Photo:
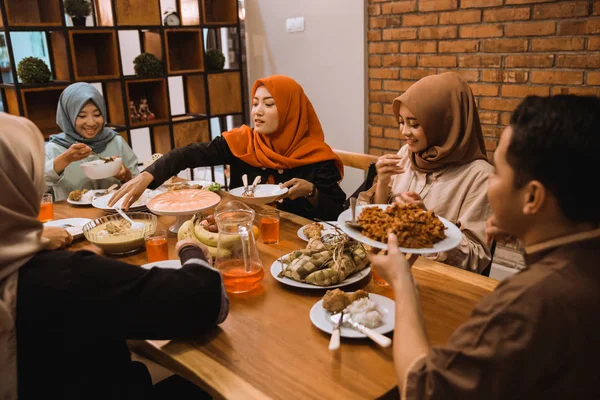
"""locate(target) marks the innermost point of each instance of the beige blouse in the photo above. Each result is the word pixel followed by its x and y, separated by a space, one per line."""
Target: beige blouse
pixel 457 193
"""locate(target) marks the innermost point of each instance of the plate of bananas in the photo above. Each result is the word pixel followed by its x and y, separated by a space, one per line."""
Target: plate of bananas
pixel 203 229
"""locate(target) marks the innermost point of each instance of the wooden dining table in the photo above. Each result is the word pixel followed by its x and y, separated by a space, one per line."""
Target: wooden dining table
pixel 268 347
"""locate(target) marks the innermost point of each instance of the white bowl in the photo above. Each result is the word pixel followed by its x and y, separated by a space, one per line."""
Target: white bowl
pixel 263 194
pixel 98 169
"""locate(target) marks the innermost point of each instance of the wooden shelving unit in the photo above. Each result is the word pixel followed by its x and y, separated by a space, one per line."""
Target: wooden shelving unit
pixel 94 54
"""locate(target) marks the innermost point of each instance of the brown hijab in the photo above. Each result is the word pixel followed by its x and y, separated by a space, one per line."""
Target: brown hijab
pixel 445 108
pixel 22 184
pixel 299 139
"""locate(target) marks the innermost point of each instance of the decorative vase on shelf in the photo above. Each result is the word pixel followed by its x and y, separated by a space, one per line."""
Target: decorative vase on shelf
pixel 78 21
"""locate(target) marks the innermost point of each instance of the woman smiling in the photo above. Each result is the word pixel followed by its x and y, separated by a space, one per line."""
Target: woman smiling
pixel 286 147
pixel 81 115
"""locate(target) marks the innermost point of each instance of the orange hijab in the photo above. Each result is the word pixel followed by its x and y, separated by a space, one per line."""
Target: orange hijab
pixel 299 139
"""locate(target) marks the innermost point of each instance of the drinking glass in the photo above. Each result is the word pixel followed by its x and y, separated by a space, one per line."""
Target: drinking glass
pixel 46 208
pixel 269 226
pixel 157 245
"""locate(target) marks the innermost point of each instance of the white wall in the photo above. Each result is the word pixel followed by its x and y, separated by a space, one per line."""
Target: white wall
pixel 327 59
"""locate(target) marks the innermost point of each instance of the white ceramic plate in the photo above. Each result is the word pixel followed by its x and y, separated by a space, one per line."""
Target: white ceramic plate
pixel 276 269
pixel 263 194
pixel 85 203
pixel 168 264
pixel 76 230
pixel 320 317
pixel 328 230
pixel 102 202
pixel 453 234
pixel 164 188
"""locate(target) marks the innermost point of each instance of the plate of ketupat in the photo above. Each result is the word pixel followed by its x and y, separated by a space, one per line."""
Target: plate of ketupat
pixel 338 262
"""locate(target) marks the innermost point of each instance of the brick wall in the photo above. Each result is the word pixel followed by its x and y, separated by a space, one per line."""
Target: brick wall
pixel 505 49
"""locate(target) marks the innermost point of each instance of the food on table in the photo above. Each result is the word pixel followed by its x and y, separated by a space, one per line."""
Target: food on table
pixel 114 235
pixel 214 187
pixel 336 300
pixel 325 264
pixel 364 311
pixel 414 227
pixel 313 231
pixel 204 230
pixel 183 200
pixel 76 195
pixel 117 231
pixel 180 186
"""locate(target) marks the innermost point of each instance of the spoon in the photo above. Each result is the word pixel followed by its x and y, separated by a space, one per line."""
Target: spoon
pixel 107 191
pixel 353 224
pixel 347 320
pixel 134 225
pixel 256 182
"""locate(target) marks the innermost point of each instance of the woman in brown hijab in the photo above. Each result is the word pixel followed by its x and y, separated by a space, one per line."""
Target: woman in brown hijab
pixel 443 165
pixel 65 316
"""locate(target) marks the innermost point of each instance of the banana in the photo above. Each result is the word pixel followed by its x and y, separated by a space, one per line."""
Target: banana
pixel 186 231
pixel 225 253
pixel 204 236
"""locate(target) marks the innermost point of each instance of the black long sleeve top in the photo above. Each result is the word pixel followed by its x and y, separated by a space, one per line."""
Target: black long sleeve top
pixel 325 175
pixel 75 312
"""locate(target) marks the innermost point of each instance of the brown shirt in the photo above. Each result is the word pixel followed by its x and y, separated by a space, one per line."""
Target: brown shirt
pixel 535 337
pixel 457 193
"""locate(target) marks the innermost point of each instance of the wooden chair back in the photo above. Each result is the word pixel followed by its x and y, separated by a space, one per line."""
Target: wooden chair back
pixel 355 160
pixel 365 162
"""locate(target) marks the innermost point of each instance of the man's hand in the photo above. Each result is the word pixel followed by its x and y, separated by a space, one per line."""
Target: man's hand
pixel 394 266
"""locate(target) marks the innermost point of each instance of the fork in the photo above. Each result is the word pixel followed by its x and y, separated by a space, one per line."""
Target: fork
pixel 245 182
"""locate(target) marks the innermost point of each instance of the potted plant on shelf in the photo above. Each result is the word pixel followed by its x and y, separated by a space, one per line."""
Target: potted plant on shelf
pixel 78 10
pixel 33 70
pixel 146 65
pixel 215 60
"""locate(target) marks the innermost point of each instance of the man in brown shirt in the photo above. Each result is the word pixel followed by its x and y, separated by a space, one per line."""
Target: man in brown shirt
pixel 536 336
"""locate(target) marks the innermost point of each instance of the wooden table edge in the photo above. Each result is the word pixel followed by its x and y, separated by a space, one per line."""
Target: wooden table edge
pixel 228 384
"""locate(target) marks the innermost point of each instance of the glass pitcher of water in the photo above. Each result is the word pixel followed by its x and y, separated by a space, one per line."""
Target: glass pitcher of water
pixel 237 255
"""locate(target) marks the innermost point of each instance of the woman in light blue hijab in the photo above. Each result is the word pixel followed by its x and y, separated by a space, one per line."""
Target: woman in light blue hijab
pixel 81 114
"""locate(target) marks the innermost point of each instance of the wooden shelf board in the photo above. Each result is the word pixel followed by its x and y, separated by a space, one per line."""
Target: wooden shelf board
pixel 96 78
pixel 136 125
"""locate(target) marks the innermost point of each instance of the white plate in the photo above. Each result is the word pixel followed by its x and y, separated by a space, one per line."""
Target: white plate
pixel 77 223
pixel 164 188
pixel 453 234
pixel 320 317
pixel 328 230
pixel 85 203
pixel 263 194
pixel 102 202
pixel 168 264
pixel 276 269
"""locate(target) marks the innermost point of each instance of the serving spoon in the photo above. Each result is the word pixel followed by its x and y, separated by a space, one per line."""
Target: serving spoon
pixel 353 224
pixel 134 225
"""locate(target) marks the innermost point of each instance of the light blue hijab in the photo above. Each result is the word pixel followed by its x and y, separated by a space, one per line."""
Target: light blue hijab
pixel 70 103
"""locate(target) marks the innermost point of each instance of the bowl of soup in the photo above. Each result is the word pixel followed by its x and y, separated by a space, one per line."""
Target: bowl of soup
pixel 113 234
pixel 102 169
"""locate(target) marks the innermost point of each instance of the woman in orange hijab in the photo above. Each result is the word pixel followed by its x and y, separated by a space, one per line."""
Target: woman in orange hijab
pixel 286 146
